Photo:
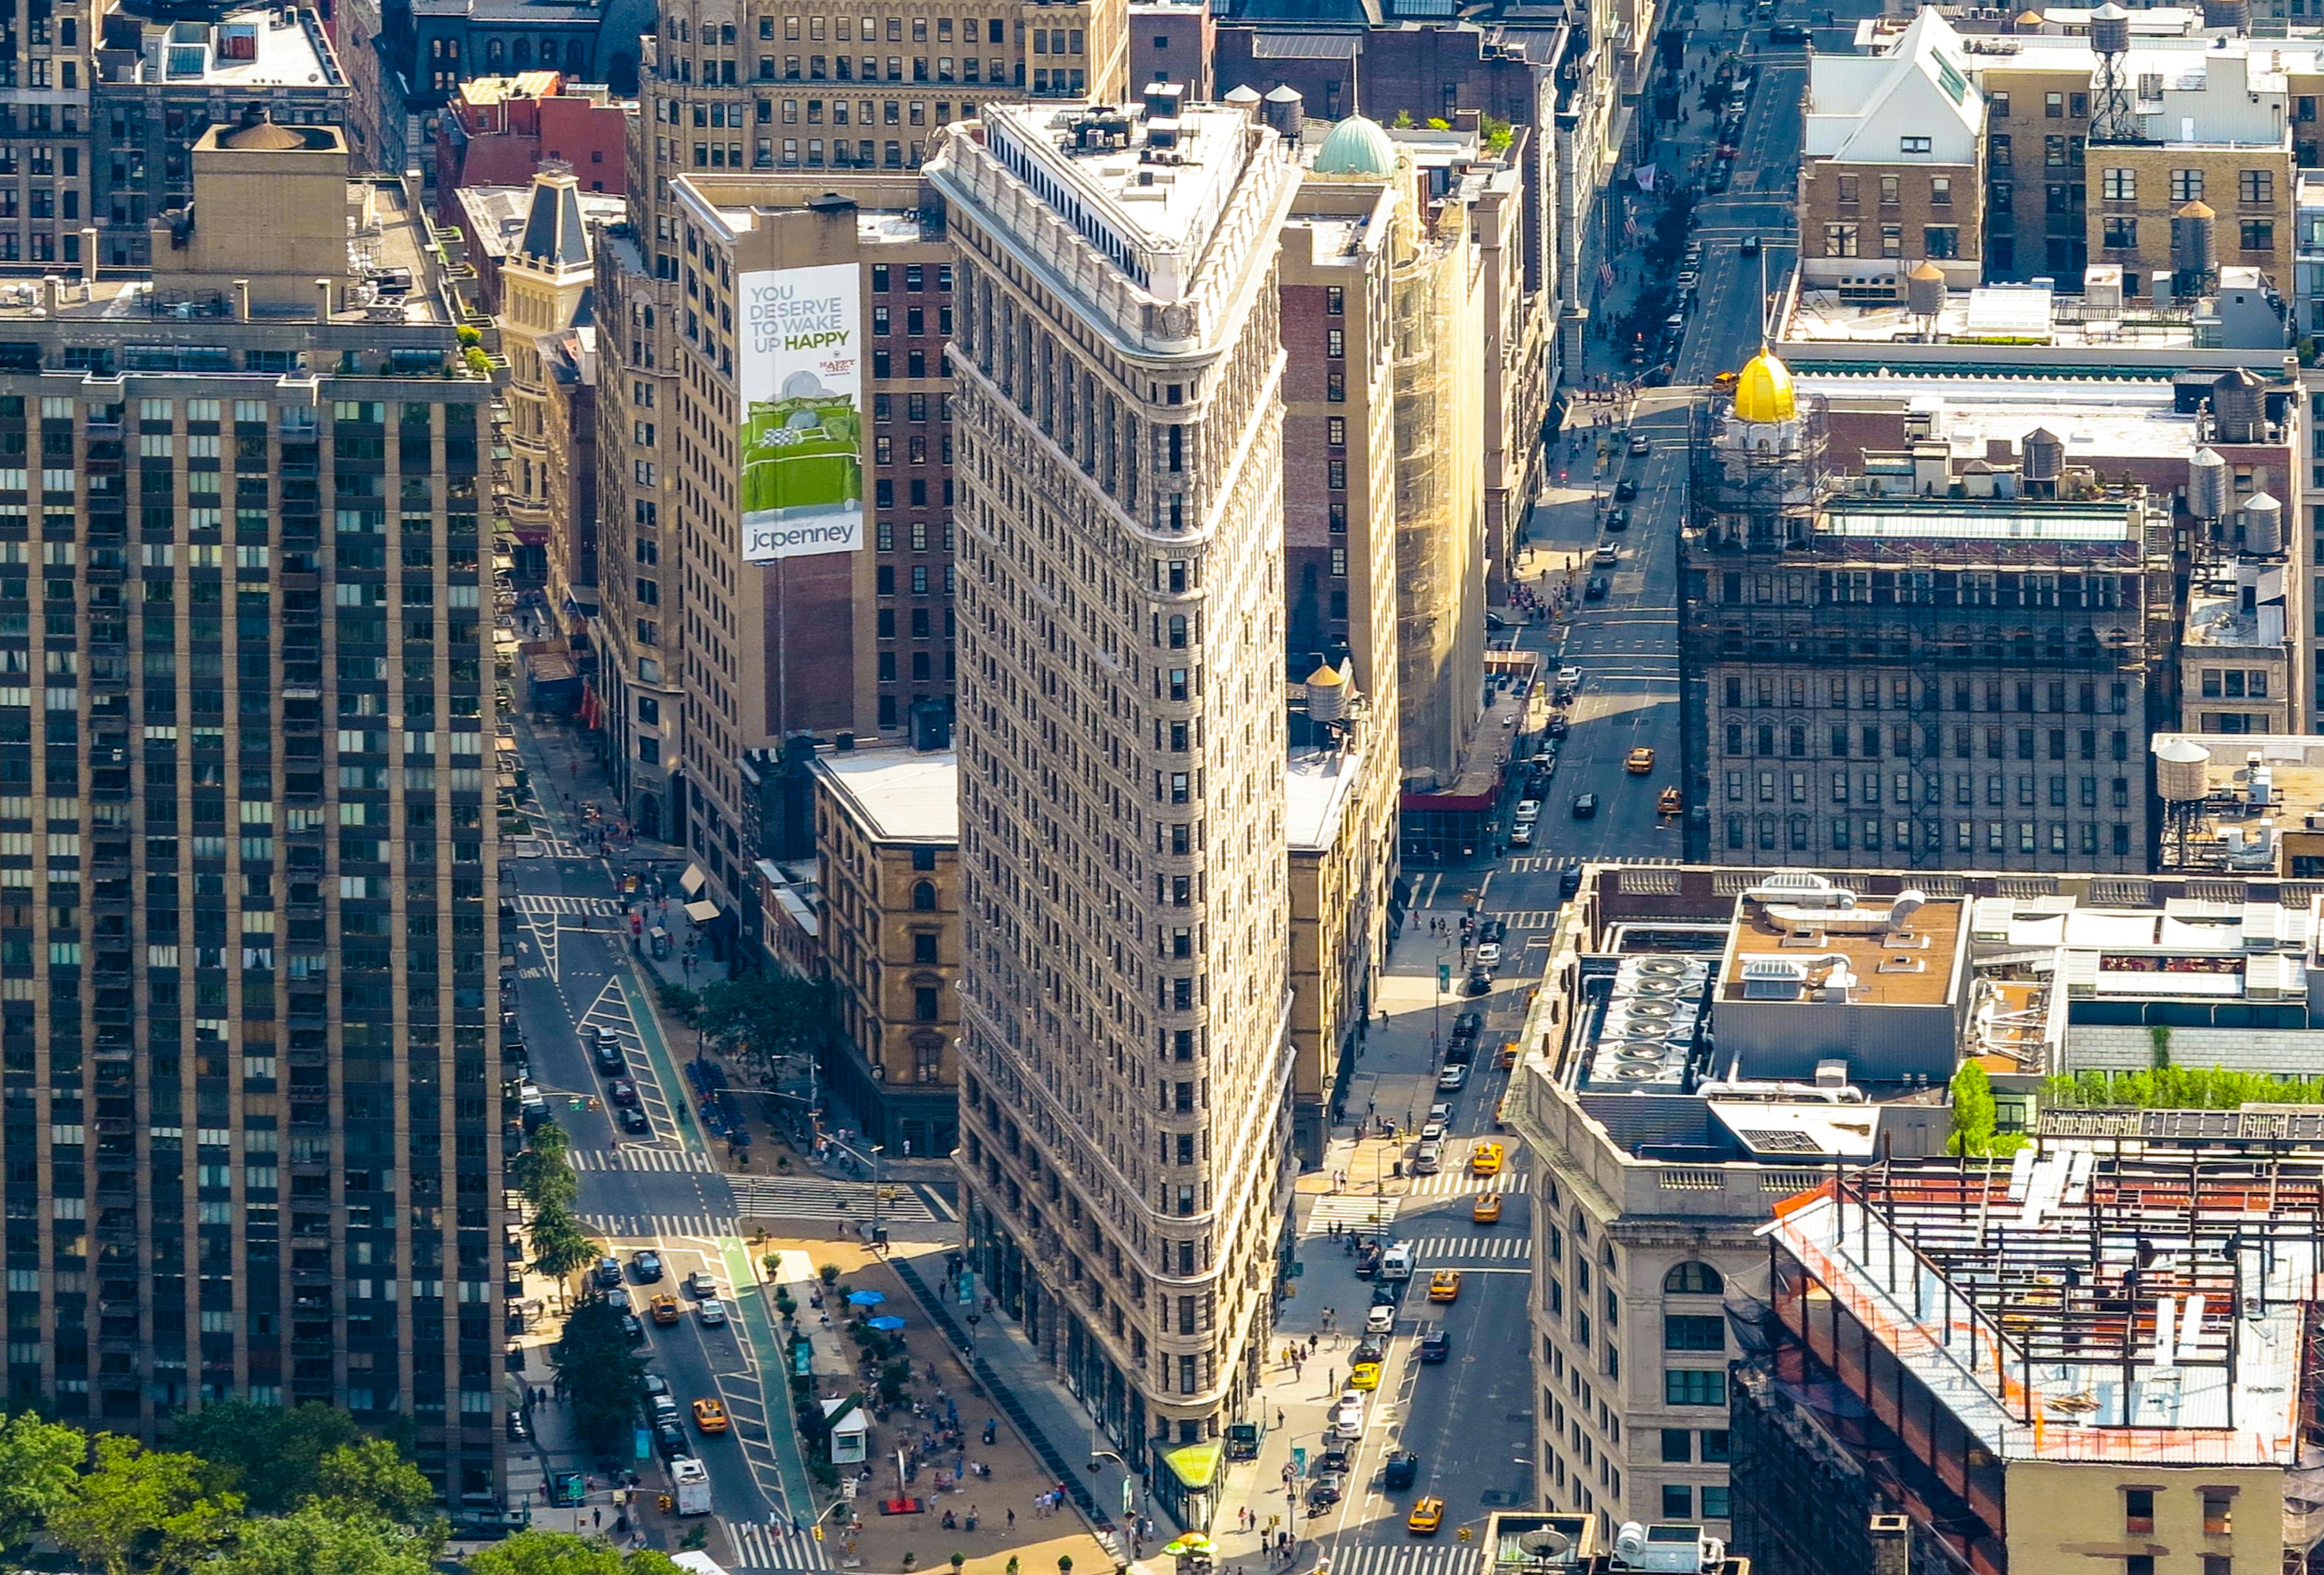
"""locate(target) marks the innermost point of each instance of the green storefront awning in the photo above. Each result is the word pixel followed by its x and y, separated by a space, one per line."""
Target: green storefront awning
pixel 1195 1465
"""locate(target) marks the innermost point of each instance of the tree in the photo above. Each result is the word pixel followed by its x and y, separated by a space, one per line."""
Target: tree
pixel 543 1172
pixel 767 1016
pixel 373 1477
pixel 560 1245
pixel 143 1509
pixel 598 1370
pixel 273 1456
pixel 1973 1110
pixel 39 1466
pixel 548 1553
pixel 321 1538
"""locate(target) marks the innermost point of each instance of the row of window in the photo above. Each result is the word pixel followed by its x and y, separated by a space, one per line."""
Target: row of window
pixel 1872 834
pixel 2118 234
pixel 1868 788
pixel 1761 742
pixel 1940 241
pixel 1891 190
pixel 1964 694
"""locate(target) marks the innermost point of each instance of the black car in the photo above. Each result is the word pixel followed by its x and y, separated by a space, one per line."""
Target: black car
pixel 1388 1293
pixel 1492 932
pixel 1333 1459
pixel 1568 881
pixel 1585 805
pixel 652 1383
pixel 607 1052
pixel 1401 1470
pixel 1721 176
pixel 1595 591
pixel 518 1430
pixel 1749 246
pixel 634 1120
pixel 1370 1351
pixel 1625 490
pixel 1787 32
pixel 670 1440
pixel 1496 622
pixel 1469 1025
pixel 1435 1346
pixel 1558 727
pixel 634 1331
pixel 609 1272
pixel 1481 983
pixel 1324 1492
pixel 646 1264
pixel 1617 519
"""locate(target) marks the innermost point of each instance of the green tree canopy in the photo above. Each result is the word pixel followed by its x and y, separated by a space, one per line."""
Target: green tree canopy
pixel 143 1509
pixel 321 1538
pixel 40 1468
pixel 372 1477
pixel 1973 1110
pixel 273 1456
pixel 598 1370
pixel 543 1172
pixel 768 1016
pixel 2185 1088
pixel 548 1553
pixel 561 1247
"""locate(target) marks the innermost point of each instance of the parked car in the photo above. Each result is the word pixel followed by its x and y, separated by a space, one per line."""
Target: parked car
pixel 1617 519
pixel 1640 444
pixel 1489 954
pixel 608 1273
pixel 1435 1346
pixel 607 1053
pixel 1625 490
pixel 1568 881
pixel 653 1385
pixel 670 1440
pixel 1469 1025
pixel 1595 591
pixel 701 1283
pixel 631 1329
pixel 622 1091
pixel 1481 980
pixel 1749 245
pixel 632 1121
pixel 1381 1319
pixel 1452 1078
pixel 1324 1491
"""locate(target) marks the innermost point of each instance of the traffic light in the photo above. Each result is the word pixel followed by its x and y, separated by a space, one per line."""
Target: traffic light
pixel 1443 977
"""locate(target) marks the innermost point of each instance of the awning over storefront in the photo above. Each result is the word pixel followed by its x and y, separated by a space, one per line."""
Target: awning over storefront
pixel 702 913
pixel 693 880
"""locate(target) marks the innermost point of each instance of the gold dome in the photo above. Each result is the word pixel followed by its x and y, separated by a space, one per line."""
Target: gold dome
pixel 1763 393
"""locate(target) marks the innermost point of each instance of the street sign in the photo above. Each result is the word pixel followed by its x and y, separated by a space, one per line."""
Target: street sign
pixel 1299 1459
pixel 968 1288
pixel 1128 1487
pixel 1443 977
pixel 641 1442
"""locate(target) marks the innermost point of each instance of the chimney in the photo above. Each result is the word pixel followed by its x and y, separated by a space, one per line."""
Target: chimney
pixel 242 300
pixel 322 301
pixel 52 293
pixel 1892 1545
pixel 88 255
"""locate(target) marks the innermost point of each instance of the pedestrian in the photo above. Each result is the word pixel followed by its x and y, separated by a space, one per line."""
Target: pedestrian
pixel 1012 1520
pixel 1279 1416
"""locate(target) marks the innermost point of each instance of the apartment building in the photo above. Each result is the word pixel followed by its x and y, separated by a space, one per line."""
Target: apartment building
pixel 887 849
pixel 544 281
pixel 1173 41
pixel 251 1127
pixel 500 131
pixel 753 99
pixel 1340 821
pixel 1125 1108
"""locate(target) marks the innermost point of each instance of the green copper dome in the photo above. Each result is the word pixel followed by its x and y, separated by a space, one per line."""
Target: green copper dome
pixel 1357 146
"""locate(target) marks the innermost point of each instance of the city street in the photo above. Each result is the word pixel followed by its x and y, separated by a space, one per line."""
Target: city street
pixel 663 1190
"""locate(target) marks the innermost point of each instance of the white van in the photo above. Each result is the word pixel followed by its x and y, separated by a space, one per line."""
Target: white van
pixel 1396 1263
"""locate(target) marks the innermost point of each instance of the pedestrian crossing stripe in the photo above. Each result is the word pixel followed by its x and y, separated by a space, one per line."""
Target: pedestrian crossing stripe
pixel 1401 1558
pixel 1434 1249
pixel 760 1549
pixel 1543 863
pixel 639 1158
pixel 1350 1212
pixel 531 903
pixel 818 1198
pixel 1524 918
pixel 627 1227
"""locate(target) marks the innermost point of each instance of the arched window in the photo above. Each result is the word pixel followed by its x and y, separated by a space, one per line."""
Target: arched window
pixel 1692 1279
pixel 924 895
pixel 1580 1228
pixel 521 53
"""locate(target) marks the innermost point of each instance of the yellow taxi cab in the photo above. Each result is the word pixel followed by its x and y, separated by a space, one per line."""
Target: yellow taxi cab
pixel 1509 1055
pixel 1364 1376
pixel 1640 762
pixel 1670 801
pixel 1426 1515
pixel 1485 1208
pixel 665 1309
pixel 710 1416
pixel 1444 1285
pixel 1485 1159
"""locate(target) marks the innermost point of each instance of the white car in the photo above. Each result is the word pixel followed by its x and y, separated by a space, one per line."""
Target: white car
pixel 1380 1319
pixel 1433 1132
pixel 714 1312
pixel 1569 676
pixel 1452 1078
pixel 1528 809
pixel 1489 954
pixel 1521 834
pixel 1440 1114
pixel 1347 1421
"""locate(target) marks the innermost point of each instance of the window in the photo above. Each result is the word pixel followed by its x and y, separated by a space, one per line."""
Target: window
pixel 2218 1511
pixel 1941 190
pixel 1694 1280
pixel 1692 1331
pixel 1941 240
pixel 2053 106
pixel 2119 233
pixel 1678 1447
pixel 1678 1501
pixel 1694 1387
pixel 2255 188
pixel 1847 185
pixel 1715 1501
pixel 2259 235
pixel 923 896
pixel 2119 185
pixel 1840 240
pixel 1913 144
pixel 2186 186
pixel 1891 190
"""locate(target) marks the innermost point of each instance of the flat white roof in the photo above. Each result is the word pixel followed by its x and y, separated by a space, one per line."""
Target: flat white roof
pixel 2098 420
pixel 1315 794
pixel 903 794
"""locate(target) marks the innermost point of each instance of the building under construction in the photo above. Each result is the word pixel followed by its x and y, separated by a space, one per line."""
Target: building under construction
pixel 2101 1353
pixel 1925 670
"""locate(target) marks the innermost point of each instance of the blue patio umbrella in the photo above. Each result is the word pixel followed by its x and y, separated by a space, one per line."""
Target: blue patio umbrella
pixel 888 1323
pixel 865 1298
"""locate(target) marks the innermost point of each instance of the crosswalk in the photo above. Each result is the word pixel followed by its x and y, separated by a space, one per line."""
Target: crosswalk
pixel 1481 1248
pixel 639 1158
pixel 1524 918
pixel 758 1548
pixel 774 1197
pixel 1348 1211
pixel 1460 1184
pixel 534 903
pixel 1402 1558
pixel 1542 864
pixel 643 1227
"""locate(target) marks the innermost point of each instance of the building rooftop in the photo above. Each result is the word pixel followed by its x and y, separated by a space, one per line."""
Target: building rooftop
pixel 496 215
pixel 901 795
pixel 2006 314
pixel 1315 796
pixel 2098 420
pixel 252 47
pixel 731 206
pixel 2089 1302
pixel 1987 520
pixel 2221 621
pixel 1806 940
pixel 1146 189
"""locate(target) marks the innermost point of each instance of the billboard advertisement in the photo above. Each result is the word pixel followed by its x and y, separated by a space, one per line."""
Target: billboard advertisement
pixel 802 400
